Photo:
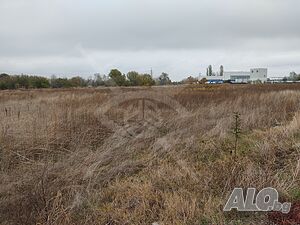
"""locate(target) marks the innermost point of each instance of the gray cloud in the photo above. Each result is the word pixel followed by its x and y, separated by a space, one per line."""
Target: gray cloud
pixel 177 36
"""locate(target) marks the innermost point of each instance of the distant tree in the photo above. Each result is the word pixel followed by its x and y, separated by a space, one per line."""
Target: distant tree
pixel 294 76
pixel 39 82
pixel 109 83
pixel 118 77
pixel 60 83
pixel 134 78
pixel 210 72
pixel 89 81
pixel 5 81
pixel 23 81
pixel 3 75
pixel 164 79
pixel 53 81
pixel 146 80
pixel 77 82
pixel 99 80
pixel 221 70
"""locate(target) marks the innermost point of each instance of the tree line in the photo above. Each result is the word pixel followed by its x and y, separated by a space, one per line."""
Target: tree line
pixel 22 81
pixel 114 78
pixel 292 77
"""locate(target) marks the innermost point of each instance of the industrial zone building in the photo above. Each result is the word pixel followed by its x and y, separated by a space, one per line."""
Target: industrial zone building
pixel 253 76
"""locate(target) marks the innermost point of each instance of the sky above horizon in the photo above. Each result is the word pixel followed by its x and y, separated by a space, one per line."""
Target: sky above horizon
pixel 179 37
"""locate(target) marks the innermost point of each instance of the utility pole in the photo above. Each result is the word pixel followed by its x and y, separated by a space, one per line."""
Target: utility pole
pixel 151 72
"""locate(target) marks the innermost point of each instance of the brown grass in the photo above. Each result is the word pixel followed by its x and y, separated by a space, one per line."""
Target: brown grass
pixel 64 161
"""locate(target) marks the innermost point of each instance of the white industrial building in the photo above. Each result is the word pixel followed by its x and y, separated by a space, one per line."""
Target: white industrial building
pixel 254 75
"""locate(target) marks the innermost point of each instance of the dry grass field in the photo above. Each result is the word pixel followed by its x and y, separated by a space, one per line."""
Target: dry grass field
pixel 145 155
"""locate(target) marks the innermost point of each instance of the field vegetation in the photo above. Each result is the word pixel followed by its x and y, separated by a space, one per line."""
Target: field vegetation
pixel 85 156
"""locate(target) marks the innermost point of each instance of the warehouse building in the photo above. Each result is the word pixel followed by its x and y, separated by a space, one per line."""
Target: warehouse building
pixel 254 75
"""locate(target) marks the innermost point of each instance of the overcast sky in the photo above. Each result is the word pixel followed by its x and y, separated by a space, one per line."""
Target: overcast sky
pixel 180 37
